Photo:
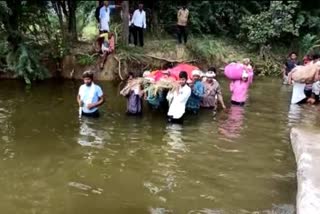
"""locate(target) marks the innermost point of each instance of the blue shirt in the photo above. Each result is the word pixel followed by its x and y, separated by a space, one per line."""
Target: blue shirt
pixel 104 16
pixel 105 12
pixel 197 94
pixel 84 93
pixel 290 64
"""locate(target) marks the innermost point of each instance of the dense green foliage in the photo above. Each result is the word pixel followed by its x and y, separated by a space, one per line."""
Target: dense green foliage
pixel 52 28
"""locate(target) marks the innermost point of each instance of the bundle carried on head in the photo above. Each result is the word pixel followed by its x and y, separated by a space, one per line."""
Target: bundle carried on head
pixel 138 82
pixel 306 73
pixel 234 71
pixel 162 85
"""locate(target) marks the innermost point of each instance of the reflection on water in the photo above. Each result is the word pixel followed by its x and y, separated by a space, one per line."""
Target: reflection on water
pixel 90 136
pixel 6 132
pixel 168 170
pixel 52 162
pixel 303 115
pixel 174 138
pixel 231 127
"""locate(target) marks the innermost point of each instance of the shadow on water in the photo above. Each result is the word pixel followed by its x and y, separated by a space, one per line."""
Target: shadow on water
pixel 238 162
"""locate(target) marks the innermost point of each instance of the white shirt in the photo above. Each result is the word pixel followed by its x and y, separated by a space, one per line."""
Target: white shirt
pixel 298 92
pixel 89 94
pixel 179 101
pixel 316 88
pixel 104 16
pixel 139 19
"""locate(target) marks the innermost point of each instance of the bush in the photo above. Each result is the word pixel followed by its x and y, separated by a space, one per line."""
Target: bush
pixel 276 22
pixel 86 59
pixel 24 63
pixel 207 50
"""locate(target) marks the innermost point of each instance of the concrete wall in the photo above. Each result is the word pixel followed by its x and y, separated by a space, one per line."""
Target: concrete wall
pixel 306 147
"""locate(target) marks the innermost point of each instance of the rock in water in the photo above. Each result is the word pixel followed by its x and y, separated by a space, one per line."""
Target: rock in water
pixel 306 147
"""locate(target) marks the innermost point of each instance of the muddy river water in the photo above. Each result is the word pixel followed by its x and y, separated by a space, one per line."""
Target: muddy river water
pixel 52 162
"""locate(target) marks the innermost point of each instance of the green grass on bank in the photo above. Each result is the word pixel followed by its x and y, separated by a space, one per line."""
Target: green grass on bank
pixel 204 50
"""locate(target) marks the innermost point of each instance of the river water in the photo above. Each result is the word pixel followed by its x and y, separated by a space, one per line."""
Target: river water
pixel 52 162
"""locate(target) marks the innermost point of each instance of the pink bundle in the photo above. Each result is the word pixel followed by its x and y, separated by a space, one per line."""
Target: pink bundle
pixel 234 71
pixel 174 72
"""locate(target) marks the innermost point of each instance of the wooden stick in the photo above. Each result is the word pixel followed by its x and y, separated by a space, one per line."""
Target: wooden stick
pixel 119 71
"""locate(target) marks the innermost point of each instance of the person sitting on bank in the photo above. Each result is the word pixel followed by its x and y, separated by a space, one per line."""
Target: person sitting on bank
pixel 212 91
pixel 107 47
pixel 90 96
pixel 197 87
pixel 177 99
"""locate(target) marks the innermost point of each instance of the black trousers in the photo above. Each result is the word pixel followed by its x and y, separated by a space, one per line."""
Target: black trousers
pixel 182 32
pixel 95 114
pixel 237 103
pixel 308 93
pixel 138 33
pixel 175 121
pixel 131 34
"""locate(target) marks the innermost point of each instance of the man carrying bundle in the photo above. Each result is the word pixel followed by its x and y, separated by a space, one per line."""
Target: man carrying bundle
pixel 90 97
pixel 197 94
pixel 212 92
pixel 134 93
pixel 177 99
pixel 302 75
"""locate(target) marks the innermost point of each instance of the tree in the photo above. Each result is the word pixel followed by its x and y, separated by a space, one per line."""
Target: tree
pixel 125 22
pixel 67 9
pixel 72 25
pixel 279 20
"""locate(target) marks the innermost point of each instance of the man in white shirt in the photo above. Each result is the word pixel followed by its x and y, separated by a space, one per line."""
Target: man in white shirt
pixel 178 100
pixel 139 23
pixel 90 96
pixel 104 16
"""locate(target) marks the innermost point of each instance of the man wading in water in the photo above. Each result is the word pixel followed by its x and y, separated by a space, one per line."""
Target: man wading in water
pixel 177 100
pixel 90 97
pixel 212 92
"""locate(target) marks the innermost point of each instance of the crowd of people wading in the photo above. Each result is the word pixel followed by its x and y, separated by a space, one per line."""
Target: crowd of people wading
pixel 184 88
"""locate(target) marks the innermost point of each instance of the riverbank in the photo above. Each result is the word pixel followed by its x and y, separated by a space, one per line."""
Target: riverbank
pixel 203 52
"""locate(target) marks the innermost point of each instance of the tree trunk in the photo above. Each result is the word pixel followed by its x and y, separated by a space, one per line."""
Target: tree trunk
pixel 58 11
pixel 11 23
pixel 125 22
pixel 154 15
pixel 72 25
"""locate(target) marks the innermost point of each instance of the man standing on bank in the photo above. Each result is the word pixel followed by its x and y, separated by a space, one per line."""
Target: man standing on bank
pixel 183 15
pixel 90 97
pixel 139 24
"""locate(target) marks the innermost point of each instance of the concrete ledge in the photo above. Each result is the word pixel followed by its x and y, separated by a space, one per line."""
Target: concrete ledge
pixel 306 147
